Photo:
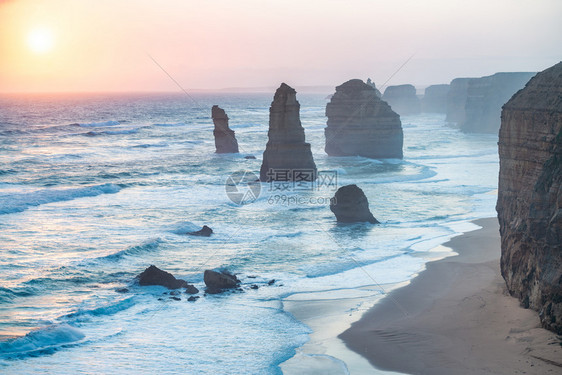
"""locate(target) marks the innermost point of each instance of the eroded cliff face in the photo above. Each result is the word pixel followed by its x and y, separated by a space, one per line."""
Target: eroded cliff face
pixel 456 99
pixel 530 195
pixel 435 99
pixel 485 98
pixel 287 157
pixel 360 123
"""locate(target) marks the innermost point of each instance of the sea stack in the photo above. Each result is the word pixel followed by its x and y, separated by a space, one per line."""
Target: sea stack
pixel 350 205
pixel 530 196
pixel 435 99
pixel 402 99
pixel 484 100
pixel 287 157
pixel 225 141
pixel 360 123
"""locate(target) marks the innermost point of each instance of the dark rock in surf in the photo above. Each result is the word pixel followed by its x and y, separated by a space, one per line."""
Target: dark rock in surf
pixel 225 140
pixel 216 282
pixel 350 205
pixel 203 232
pixel 190 289
pixel 155 276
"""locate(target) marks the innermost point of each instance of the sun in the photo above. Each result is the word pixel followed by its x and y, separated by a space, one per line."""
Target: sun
pixel 40 40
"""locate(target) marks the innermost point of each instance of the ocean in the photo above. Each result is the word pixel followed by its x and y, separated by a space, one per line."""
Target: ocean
pixel 94 188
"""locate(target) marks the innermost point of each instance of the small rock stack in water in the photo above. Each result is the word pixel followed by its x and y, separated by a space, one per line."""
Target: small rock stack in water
pixel 225 140
pixel 350 205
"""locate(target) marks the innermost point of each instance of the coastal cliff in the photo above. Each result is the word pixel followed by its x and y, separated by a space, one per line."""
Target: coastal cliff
pixel 287 157
pixel 485 97
pixel 530 196
pixel 402 99
pixel 456 99
pixel 435 99
pixel 360 123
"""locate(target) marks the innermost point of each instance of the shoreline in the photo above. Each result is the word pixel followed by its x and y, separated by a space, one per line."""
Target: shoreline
pixel 458 319
pixel 328 313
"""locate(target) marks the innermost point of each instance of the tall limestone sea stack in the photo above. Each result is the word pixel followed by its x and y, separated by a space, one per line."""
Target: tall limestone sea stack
pixel 360 123
pixel 225 141
pixel 530 195
pixel 287 157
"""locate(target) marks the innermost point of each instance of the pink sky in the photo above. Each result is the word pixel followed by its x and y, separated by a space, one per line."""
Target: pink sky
pixel 103 45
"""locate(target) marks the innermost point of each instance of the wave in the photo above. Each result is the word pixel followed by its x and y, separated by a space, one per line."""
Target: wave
pixel 490 152
pixel 146 246
pixel 99 124
pixel 81 315
pixel 283 235
pixel 111 132
pixel 41 282
pixel 337 267
pixel 424 173
pixel 7 171
pixel 18 202
pixel 184 227
pixel 42 341
pixel 7 294
pixel 148 145
pixel 167 125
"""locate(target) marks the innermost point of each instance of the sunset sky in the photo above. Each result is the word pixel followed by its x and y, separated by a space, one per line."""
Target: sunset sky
pixel 102 45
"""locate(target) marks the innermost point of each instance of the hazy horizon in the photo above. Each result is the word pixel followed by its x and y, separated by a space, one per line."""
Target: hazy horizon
pixel 104 46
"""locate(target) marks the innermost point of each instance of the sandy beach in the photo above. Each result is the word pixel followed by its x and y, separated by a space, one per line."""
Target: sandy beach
pixel 457 318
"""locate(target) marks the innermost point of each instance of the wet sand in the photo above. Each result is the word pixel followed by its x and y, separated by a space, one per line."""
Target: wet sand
pixel 457 318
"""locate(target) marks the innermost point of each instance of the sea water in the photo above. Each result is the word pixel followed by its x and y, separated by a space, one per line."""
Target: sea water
pixel 95 188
